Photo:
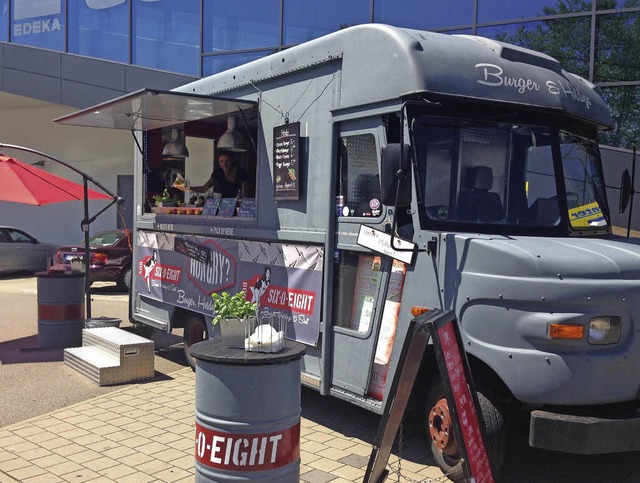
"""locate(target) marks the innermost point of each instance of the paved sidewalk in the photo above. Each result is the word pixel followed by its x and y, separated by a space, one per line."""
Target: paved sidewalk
pixel 145 433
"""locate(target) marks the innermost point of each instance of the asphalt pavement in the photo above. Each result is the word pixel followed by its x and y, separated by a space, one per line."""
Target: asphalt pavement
pixel 34 380
pixel 55 425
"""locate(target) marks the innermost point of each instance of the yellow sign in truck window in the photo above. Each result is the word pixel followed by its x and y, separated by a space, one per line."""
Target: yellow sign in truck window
pixel 587 215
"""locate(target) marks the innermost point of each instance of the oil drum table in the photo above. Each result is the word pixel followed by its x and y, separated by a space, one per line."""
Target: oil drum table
pixel 247 413
pixel 61 309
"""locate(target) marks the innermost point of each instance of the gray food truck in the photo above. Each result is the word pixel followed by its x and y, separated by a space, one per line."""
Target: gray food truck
pixel 388 171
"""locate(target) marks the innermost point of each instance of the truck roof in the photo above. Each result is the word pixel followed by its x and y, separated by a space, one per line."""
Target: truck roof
pixel 381 63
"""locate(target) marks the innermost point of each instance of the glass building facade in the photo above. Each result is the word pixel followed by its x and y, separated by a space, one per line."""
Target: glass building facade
pixel 597 39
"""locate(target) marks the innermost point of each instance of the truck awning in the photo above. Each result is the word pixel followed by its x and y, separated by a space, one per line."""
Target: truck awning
pixel 152 109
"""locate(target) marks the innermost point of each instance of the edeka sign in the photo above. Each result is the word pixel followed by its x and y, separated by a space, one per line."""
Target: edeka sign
pixel 28 17
pixel 283 279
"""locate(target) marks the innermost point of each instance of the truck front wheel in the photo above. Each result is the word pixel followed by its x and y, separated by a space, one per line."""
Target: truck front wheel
pixel 443 443
pixel 195 330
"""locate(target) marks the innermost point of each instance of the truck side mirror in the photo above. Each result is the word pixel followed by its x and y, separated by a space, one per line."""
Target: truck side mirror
pixel 625 191
pixel 396 174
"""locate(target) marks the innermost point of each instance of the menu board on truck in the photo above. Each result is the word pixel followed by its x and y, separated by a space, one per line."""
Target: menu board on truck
pixel 286 162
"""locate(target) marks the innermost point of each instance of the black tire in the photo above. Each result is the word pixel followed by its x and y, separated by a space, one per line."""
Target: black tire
pixel 448 460
pixel 124 282
pixel 195 330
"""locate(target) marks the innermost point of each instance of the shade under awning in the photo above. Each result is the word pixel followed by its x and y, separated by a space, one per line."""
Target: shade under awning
pixel 148 109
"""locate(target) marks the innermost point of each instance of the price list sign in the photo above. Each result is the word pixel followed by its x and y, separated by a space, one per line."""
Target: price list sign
pixel 455 372
pixel 286 162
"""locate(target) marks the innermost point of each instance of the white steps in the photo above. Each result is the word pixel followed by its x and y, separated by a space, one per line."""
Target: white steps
pixel 112 356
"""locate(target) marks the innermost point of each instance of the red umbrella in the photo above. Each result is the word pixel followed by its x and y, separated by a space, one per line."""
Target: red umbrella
pixel 24 183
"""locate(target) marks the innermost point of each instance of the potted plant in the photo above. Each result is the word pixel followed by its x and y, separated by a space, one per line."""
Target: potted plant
pixel 233 313
pixel 165 199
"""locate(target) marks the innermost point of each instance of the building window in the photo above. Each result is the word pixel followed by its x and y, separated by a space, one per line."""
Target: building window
pixel 614 4
pixel 38 23
pixel 213 64
pixel 99 31
pixel 243 25
pixel 497 10
pixel 4 23
pixel 166 35
pixel 565 39
pixel 617 47
pixel 624 102
pixel 308 20
pixel 421 14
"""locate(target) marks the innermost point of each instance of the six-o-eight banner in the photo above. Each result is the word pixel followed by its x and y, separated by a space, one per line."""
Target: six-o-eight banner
pixel 184 270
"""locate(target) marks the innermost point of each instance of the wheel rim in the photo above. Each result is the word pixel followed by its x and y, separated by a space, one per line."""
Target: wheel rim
pixel 441 428
pixel 127 278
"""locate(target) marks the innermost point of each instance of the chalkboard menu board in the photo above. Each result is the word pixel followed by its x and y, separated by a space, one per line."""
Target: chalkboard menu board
pixel 211 206
pixel 247 207
pixel 286 162
pixel 227 207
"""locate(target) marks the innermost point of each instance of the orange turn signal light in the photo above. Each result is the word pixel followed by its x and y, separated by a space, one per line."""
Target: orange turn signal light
pixel 565 331
pixel 417 310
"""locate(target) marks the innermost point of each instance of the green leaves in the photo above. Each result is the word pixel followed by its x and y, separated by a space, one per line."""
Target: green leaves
pixel 164 197
pixel 236 306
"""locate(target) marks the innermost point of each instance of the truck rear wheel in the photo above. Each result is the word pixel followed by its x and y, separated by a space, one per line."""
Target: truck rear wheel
pixel 195 330
pixel 443 443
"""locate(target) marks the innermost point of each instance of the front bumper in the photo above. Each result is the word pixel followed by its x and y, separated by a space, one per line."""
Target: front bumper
pixel 579 434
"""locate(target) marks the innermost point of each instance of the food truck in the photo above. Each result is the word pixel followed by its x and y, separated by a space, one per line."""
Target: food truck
pixel 392 171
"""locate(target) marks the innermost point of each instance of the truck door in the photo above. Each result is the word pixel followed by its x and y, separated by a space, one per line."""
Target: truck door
pixel 360 275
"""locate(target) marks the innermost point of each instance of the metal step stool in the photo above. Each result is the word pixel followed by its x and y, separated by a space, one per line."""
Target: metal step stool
pixel 112 356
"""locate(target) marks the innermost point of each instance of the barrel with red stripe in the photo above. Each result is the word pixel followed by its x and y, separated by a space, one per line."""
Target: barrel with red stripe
pixel 61 310
pixel 247 413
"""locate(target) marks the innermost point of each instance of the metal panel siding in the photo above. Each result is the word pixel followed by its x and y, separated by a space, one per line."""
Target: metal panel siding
pixel 32 60
pixel 83 95
pixel 136 78
pixel 29 84
pixel 304 96
pixel 109 75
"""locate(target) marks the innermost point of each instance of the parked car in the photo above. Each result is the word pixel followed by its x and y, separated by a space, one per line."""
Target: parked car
pixel 110 257
pixel 20 252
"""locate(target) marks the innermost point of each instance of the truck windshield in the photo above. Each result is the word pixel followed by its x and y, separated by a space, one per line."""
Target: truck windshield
pixel 473 173
pixel 584 183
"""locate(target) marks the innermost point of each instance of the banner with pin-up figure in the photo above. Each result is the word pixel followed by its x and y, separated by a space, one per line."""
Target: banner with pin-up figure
pixel 185 270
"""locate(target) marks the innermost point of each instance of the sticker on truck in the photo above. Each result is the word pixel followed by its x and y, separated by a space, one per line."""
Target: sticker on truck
pixel 587 215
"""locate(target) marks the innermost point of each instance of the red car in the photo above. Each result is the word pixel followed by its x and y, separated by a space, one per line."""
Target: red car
pixel 111 257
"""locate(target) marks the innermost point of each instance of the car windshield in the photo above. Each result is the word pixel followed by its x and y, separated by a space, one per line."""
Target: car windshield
pixel 480 173
pixel 106 238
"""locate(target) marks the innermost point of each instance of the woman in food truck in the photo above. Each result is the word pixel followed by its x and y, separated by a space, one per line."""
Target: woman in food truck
pixel 226 179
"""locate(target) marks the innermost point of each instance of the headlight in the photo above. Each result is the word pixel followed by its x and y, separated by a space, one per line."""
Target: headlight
pixel 604 330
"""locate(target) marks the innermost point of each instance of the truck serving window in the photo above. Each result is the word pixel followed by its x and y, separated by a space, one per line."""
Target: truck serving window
pixel 206 178
pixel 482 173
